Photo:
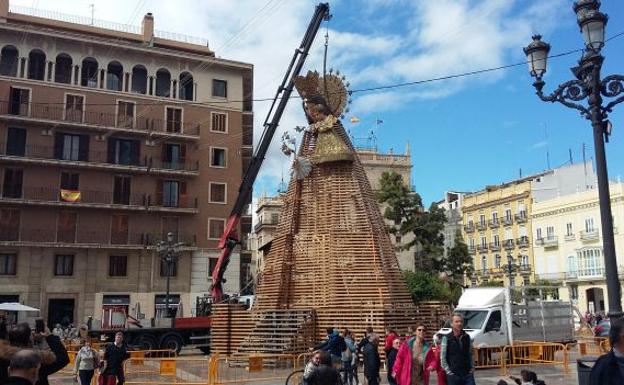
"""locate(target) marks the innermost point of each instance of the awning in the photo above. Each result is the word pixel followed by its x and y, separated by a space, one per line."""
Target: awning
pixel 15 306
pixel 116 300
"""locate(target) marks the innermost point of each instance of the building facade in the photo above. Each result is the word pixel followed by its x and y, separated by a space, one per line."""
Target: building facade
pixel 568 245
pixel 267 213
pixel 110 140
pixel 451 204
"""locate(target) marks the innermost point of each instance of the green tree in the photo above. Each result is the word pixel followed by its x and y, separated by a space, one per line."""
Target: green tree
pixel 489 283
pixel 405 208
pixel 424 286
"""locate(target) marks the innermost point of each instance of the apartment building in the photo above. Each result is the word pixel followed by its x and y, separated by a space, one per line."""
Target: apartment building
pixel 451 204
pixel 111 138
pixel 497 220
pixel 267 213
pixel 568 245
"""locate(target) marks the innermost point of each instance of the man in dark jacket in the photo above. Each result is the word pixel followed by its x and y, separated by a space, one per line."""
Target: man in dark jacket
pixel 456 354
pixel 54 357
pixel 325 373
pixel 114 356
pixel 24 368
pixel 372 363
pixel 609 369
pixel 332 345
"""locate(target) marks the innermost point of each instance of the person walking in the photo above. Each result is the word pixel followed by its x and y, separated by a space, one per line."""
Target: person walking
pixel 114 357
pixel 24 368
pixel 54 356
pixel 392 355
pixel 86 361
pixel 609 368
pixel 372 362
pixel 333 345
pixel 408 367
pixel 347 358
pixel 456 354
pixel 311 366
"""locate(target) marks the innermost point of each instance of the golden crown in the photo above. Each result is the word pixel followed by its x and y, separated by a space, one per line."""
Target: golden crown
pixel 330 87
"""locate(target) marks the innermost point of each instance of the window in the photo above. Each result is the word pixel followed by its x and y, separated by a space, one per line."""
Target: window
pixel 170 193
pixel 12 184
pixel 139 79
pixel 70 181
pixel 494 322
pixel 494 217
pixel 483 242
pixel 74 108
pixel 66 227
pixel 63 69
pixel 121 190
pixel 219 88
pixel 470 222
pixel 212 263
pixel 484 264
pixel 71 147
pixel 89 72
pixel 573 292
pixel 174 156
pixel 119 229
pixel 117 265
pixel 482 219
pixel 168 269
pixel 114 76
pixel 36 65
pixel 589 225
pixel 496 240
pixel 550 232
pixel 217 192
pixel 508 234
pixel 163 82
pixel 497 261
pixel 8 264
pixel 9 224
pixel 538 233
pixel 218 122
pixel 215 228
pixel 274 218
pixel 569 230
pixel 572 267
pixel 218 157
pixel 187 88
pixel 397 239
pixel 524 260
pixel 16 141
pixel 124 151
pixel 590 262
pixel 508 214
pixel 8 61
pixel 174 119
pixel 125 114
pixel 64 265
pixel 471 243
pixel 20 101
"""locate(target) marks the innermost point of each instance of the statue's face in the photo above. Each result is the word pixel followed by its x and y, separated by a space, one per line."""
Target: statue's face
pixel 315 112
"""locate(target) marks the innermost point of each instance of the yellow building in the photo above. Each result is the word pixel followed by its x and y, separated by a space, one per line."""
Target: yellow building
pixel 497 230
pixel 568 245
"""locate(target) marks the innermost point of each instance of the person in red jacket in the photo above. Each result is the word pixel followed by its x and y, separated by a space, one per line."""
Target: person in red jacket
pixel 391 335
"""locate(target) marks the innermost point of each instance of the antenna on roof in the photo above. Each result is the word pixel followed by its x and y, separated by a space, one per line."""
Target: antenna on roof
pixel 570 153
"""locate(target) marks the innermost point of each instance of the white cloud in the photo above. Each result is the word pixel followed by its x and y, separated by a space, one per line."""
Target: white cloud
pixel 538 145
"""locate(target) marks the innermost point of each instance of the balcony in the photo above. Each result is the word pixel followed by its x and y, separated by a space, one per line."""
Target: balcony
pixel 95 160
pixel 551 241
pixel 258 226
pixel 46 196
pixel 469 228
pixel 472 249
pixel 484 273
pixel 589 236
pixel 550 276
pixel 482 248
pixel 522 241
pixel 495 246
pixel 586 274
pixel 508 244
pixel 497 272
pixel 521 217
pixel 493 223
pixel 507 221
pixel 85 239
pixel 481 226
pixel 525 269
pixel 569 237
pixel 98 121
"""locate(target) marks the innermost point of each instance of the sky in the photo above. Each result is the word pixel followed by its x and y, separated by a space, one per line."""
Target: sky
pixel 464 133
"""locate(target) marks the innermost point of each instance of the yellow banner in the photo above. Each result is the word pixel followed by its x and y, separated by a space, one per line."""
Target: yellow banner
pixel 70 195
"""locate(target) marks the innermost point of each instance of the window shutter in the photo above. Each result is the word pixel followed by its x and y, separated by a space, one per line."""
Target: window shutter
pixel 164 155
pixel 183 196
pixel 83 151
pixel 159 192
pixel 136 152
pixel 183 153
pixel 111 150
pixel 58 145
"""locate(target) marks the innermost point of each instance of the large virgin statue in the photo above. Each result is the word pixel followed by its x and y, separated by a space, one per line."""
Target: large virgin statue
pixel 331 251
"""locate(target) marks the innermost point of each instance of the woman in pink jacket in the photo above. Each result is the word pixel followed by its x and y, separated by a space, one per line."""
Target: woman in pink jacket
pixel 408 367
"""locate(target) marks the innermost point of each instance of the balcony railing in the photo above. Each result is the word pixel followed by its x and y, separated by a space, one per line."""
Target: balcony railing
pixel 508 244
pixel 472 249
pixel 259 225
pixel 47 194
pixel 570 237
pixel 481 226
pixel 57 115
pixel 521 217
pixel 493 223
pixel 551 241
pixel 524 268
pixel 589 235
pixel 482 248
pixel 522 241
pixel 469 228
pixel 495 246
pixel 182 201
pixel 100 157
pixel 598 272
pixel 507 221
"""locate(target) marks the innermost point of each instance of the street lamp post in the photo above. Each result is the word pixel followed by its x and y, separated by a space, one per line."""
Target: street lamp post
pixel 168 253
pixel 589 85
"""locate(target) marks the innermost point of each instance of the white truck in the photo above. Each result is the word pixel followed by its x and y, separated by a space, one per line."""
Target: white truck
pixel 492 319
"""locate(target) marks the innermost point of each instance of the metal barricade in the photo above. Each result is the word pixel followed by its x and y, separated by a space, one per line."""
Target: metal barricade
pixel 591 346
pixel 535 353
pixel 255 367
pixel 488 357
